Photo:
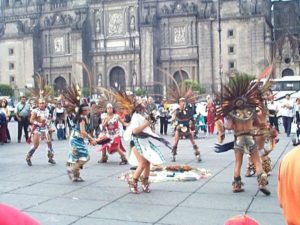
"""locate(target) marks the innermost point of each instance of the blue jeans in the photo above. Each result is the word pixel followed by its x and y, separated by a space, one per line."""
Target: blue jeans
pixel 287 124
pixel 60 134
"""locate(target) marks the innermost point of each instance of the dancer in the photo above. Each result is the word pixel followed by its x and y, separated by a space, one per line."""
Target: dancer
pixel 238 103
pixel 112 131
pixel 78 154
pixel 142 152
pixel 40 130
pixel 184 127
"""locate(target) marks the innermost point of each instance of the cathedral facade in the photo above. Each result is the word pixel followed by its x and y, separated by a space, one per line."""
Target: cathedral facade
pixel 129 44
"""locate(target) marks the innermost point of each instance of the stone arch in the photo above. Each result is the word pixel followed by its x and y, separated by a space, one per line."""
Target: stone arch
pixel 287 72
pixel 180 76
pixel 117 78
pixel 60 83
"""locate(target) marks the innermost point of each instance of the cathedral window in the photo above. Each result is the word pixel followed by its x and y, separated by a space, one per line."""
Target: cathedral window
pixel 231 50
pixel 287 60
pixel 10 51
pixel 11 66
pixel 230 33
pixel 232 65
pixel 11 79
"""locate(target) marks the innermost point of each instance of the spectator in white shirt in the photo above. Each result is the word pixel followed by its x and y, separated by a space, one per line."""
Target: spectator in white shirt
pixel 287 114
pixel 273 110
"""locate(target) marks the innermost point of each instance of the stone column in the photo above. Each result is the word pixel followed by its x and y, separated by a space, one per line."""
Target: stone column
pixel 147 56
pixel 76 45
pixel 206 56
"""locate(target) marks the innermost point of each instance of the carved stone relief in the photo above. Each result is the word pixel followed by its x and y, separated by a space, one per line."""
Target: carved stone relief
pixel 57 20
pixel 58 45
pixel 179 35
pixel 181 8
pixel 115 25
pixel 132 23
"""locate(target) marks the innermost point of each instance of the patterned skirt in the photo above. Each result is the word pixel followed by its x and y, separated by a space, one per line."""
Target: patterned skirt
pixel 78 150
pixel 148 150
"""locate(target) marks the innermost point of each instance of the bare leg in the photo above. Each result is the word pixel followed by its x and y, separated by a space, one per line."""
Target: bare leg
pixel 123 157
pixel 195 147
pixel 36 142
pixel 262 177
pixel 174 150
pixel 145 180
pixel 50 151
pixel 104 157
pixel 133 184
pixel 250 168
pixel 237 183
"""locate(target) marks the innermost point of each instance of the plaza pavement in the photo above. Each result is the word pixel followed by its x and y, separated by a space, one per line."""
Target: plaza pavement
pixel 45 192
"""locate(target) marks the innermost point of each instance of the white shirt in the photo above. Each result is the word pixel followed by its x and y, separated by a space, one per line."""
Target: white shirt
pixel 273 106
pixel 297 107
pixel 60 126
pixel 286 110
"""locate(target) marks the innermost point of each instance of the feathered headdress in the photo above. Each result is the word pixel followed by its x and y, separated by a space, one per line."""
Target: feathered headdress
pixel 120 101
pixel 240 93
pixel 40 92
pixel 180 90
pixel 107 97
pixel 72 98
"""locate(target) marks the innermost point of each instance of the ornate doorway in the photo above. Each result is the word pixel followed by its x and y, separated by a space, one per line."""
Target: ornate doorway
pixel 117 78
pixel 180 76
pixel 287 72
pixel 60 84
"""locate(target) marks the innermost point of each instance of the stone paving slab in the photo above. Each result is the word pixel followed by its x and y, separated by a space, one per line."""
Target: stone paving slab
pixel 197 216
pixel 22 201
pixel 263 205
pixel 51 219
pixel 68 206
pixel 94 221
pixel 98 193
pixel 211 201
pixel 268 218
pixel 135 212
pixel 51 190
pixel 156 198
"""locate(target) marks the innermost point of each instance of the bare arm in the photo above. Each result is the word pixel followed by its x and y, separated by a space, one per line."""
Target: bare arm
pixel 84 134
pixel 33 119
pixel 140 128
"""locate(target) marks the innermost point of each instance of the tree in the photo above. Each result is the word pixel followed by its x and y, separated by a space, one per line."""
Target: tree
pixel 140 92
pixel 49 89
pixel 195 86
pixel 6 90
pixel 85 92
